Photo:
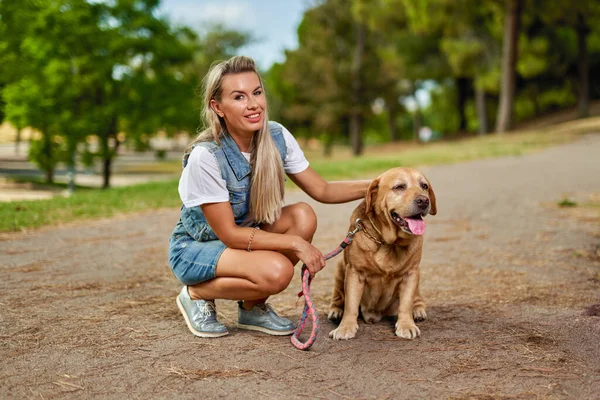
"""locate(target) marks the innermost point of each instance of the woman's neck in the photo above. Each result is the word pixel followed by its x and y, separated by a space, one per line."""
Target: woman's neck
pixel 244 141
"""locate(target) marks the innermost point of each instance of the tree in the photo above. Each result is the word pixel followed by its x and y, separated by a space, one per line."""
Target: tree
pixel 582 17
pixel 509 63
pixel 80 69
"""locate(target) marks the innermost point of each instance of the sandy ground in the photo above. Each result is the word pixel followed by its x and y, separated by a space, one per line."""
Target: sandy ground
pixel 511 279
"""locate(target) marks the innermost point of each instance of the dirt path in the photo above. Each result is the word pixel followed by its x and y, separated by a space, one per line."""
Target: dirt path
pixel 88 310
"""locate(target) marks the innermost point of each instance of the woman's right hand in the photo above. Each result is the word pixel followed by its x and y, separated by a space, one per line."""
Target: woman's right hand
pixel 311 256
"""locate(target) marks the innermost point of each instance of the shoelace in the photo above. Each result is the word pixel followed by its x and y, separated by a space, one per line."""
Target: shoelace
pixel 207 308
pixel 265 307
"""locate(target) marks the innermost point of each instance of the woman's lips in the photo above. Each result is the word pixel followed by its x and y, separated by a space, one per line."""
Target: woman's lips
pixel 253 118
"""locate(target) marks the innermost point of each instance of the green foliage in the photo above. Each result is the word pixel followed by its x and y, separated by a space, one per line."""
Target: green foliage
pixel 119 71
pixel 442 114
pixel 88 158
pixel 46 154
pixel 116 70
pixel 414 41
pixel 567 203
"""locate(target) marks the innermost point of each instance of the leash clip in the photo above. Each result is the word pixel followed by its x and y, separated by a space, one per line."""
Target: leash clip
pixel 357 227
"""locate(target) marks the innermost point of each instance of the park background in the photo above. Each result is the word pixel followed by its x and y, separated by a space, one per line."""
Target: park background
pixel 90 89
pixel 98 100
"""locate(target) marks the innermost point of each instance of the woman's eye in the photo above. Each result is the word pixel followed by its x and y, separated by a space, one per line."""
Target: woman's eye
pixel 401 186
pixel 239 97
pixel 258 93
pixel 425 186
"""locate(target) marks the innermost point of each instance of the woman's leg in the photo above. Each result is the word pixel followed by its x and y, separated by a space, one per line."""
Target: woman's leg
pixel 254 276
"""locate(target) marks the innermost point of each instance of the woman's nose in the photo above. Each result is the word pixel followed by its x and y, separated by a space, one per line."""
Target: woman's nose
pixel 252 103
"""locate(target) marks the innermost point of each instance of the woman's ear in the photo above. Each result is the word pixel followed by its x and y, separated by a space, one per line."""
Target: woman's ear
pixel 371 193
pixel 216 107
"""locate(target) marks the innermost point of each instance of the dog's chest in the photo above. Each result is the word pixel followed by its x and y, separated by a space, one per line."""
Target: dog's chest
pixel 392 261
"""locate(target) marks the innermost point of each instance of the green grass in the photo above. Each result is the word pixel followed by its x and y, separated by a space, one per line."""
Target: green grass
pixel 567 203
pixel 87 204
pixel 380 158
pixel 97 203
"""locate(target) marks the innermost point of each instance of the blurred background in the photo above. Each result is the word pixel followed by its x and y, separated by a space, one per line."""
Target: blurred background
pixel 83 83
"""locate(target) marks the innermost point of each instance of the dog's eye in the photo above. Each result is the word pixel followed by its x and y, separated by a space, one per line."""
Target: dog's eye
pixel 425 186
pixel 401 186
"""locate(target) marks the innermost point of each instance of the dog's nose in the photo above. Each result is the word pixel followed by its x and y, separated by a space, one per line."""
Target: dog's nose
pixel 422 202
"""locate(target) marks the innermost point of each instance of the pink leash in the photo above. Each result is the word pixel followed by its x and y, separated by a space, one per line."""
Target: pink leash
pixel 309 305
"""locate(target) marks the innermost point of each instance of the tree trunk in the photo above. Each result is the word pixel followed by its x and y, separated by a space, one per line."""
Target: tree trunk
pixel 509 64
pixel 462 88
pixel 106 172
pixel 481 110
pixel 71 164
pixel 328 148
pixel 47 157
pixel 109 153
pixel 356 117
pixel 584 66
pixel 18 142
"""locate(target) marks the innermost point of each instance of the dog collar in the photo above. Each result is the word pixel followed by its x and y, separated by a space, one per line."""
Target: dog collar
pixel 362 227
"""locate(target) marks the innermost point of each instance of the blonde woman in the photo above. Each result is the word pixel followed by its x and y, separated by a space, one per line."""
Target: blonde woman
pixel 235 238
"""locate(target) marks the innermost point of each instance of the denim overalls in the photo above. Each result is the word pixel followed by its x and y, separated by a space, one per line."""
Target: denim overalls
pixel 194 249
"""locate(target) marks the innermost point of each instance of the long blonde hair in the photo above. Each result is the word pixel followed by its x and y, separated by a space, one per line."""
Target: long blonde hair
pixel 267 176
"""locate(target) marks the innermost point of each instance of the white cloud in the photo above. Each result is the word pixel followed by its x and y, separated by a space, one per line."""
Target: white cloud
pixel 231 14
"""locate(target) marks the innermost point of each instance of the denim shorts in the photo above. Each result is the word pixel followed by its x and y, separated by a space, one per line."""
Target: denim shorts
pixel 194 262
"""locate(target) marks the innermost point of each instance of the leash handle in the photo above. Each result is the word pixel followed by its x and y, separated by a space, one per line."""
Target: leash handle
pixel 309 309
pixel 309 305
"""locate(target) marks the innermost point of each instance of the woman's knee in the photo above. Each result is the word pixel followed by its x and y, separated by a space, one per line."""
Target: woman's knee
pixel 305 220
pixel 278 275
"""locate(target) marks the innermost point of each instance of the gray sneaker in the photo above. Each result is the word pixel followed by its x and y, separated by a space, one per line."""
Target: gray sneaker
pixel 263 318
pixel 200 316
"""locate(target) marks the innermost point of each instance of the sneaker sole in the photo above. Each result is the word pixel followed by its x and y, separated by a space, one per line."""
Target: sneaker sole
pixel 192 329
pixel 265 330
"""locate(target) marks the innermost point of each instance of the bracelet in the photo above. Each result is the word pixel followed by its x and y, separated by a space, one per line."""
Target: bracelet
pixel 256 228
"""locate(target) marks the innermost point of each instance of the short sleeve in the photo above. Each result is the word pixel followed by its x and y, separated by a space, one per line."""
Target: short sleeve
pixel 295 161
pixel 201 180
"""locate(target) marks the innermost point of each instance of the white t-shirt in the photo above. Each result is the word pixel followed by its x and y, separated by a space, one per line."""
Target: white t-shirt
pixel 201 180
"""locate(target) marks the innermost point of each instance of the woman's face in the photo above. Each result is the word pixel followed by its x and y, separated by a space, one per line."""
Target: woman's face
pixel 242 104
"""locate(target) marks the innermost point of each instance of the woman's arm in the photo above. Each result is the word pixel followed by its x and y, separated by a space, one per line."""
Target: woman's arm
pixel 329 192
pixel 220 218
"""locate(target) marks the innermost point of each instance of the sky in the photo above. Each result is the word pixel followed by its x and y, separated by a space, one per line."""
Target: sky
pixel 272 22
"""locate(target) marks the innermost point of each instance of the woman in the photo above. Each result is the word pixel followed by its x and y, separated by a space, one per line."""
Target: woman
pixel 235 238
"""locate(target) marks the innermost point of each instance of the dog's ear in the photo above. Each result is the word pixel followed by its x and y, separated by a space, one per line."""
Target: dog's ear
pixel 371 193
pixel 433 208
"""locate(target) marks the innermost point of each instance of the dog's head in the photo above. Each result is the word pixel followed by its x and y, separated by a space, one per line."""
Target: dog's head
pixel 399 199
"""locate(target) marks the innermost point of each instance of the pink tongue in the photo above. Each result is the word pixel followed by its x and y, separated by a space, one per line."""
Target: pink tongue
pixel 417 226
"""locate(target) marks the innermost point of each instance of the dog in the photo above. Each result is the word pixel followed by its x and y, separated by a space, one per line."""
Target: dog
pixel 378 275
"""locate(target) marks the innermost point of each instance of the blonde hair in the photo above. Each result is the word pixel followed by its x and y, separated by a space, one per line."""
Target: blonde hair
pixel 267 176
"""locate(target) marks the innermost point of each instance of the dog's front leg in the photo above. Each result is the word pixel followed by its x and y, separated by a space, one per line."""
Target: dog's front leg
pixel 405 326
pixel 354 287
pixel 419 306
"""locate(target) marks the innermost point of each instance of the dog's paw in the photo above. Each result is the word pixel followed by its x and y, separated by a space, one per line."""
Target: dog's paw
pixel 344 331
pixel 407 330
pixel 335 313
pixel 419 313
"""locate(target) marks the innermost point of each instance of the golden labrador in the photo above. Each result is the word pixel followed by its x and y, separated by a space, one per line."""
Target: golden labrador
pixel 379 272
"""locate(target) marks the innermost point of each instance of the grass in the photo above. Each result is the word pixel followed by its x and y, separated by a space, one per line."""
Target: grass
pixel 567 203
pixel 86 204
pixel 18 215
